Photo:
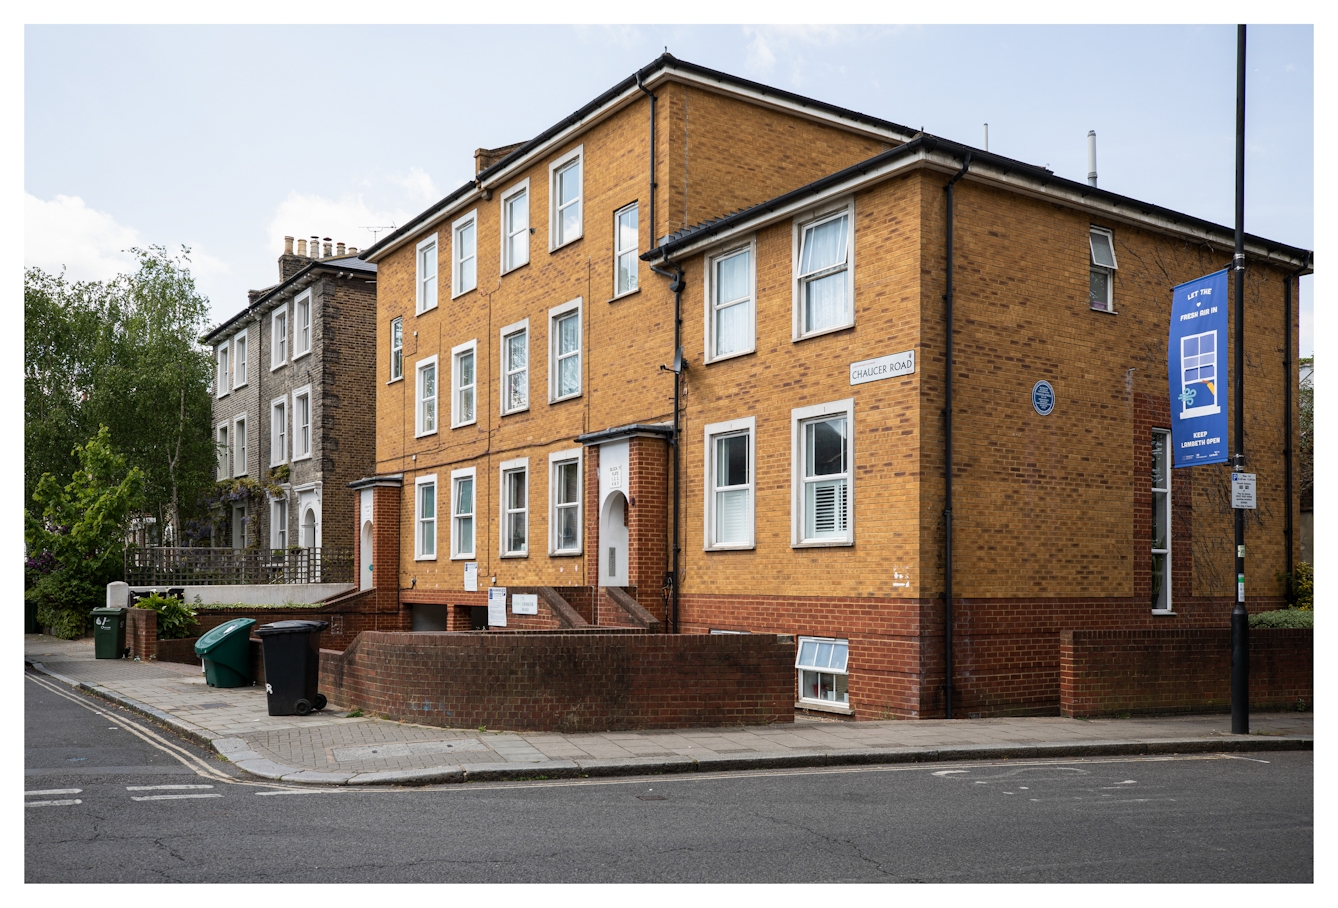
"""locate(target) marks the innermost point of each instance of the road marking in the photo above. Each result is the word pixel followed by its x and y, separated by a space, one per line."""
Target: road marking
pixel 297 791
pixel 948 772
pixel 54 791
pixel 63 803
pixel 163 787
pixel 175 797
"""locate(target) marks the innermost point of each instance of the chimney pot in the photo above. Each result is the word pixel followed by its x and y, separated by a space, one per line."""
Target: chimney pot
pixel 302 247
pixel 315 247
pixel 339 248
pixel 352 250
pixel 328 251
pixel 287 245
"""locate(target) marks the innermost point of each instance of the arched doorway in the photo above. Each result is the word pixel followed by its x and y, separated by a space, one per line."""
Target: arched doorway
pixel 365 556
pixel 311 567
pixel 613 541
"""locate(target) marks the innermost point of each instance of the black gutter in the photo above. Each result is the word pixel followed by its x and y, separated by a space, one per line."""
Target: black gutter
pixel 679 367
pixel 279 288
pixel 947 453
pixel 1288 529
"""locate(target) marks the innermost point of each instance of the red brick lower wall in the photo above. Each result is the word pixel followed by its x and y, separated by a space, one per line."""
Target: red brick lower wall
pixel 587 681
pixel 1168 671
pixel 141 633
pixel 347 619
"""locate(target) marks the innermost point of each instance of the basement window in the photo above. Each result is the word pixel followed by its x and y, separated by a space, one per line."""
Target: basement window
pixel 1102 244
pixel 821 664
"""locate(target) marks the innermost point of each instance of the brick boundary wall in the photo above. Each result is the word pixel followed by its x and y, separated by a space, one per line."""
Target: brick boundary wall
pixel 1180 671
pixel 565 681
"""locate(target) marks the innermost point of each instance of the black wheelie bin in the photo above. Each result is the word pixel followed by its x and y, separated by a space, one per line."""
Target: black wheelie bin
pixel 292 666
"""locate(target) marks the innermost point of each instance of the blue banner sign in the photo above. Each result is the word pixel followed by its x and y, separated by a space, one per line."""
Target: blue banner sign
pixel 1197 358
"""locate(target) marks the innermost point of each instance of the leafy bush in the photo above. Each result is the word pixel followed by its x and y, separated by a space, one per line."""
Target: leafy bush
pixel 1284 617
pixel 175 618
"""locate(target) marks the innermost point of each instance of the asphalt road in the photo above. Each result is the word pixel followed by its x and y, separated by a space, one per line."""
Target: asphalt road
pixel 98 811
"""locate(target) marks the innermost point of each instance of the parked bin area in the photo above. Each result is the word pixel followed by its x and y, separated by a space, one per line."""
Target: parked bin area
pixel 226 653
pixel 109 633
pixel 292 666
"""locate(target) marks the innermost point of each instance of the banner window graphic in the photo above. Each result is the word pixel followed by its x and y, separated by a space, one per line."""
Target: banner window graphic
pixel 1198 377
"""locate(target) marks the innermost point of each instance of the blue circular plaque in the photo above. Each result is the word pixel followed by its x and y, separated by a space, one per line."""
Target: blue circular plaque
pixel 1043 398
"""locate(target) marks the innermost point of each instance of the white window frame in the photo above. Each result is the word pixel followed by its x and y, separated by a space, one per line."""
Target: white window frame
pixel 520 464
pixel 419 519
pixel 223 451
pixel 419 407
pixel 619 252
pixel 554 459
pixel 472 347
pixel 749 245
pixel 576 155
pixel 278 517
pixel 554 314
pixel 1108 269
pixel 801 667
pixel 799 417
pixel 241 354
pixel 426 300
pixel 278 340
pixel 812 218
pixel 510 331
pixel 507 231
pixel 303 304
pixel 748 426
pixel 239 526
pixel 470 473
pixel 1166 493
pixel 222 370
pixel 457 277
pixel 396 374
pixel 241 461
pixel 278 437
pixel 304 391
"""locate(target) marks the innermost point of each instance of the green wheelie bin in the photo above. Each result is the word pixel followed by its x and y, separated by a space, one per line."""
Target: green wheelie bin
pixel 109 633
pixel 226 651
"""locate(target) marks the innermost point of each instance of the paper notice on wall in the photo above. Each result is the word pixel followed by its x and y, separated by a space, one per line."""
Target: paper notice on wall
pixel 472 576
pixel 497 606
pixel 524 604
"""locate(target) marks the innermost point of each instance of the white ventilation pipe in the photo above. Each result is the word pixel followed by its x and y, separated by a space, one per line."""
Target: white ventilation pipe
pixel 1091 157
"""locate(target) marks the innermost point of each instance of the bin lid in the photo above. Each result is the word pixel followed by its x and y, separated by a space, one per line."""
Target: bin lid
pixel 213 638
pixel 291 627
pixel 110 611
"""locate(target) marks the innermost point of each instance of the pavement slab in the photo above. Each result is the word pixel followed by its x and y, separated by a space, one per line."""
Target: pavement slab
pixel 330 748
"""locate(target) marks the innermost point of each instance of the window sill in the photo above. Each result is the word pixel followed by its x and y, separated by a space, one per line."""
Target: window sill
pixel 277 463
pixel 419 312
pixel 513 268
pixel 822 544
pixel 515 555
pixel 799 338
pixel 395 380
pixel 566 553
pixel 559 400
pixel 303 457
pixel 425 558
pixel 240 385
pixel 424 434
pixel 516 412
pixel 275 367
pixel 467 556
pixel 825 706
pixel 456 296
pixel 1162 612
pixel 565 243
pixel 461 425
pixel 728 356
pixel 730 548
pixel 1106 311
pixel 623 296
pixel 297 356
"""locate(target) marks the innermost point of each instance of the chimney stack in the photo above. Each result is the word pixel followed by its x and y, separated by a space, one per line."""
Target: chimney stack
pixel 287 245
pixel 339 248
pixel 1091 157
pixel 328 250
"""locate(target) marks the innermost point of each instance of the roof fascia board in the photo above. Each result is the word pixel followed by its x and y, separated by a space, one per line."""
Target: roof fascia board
pixel 296 282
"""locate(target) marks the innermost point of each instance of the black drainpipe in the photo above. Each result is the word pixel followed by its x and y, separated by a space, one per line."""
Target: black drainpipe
pixel 947 460
pixel 678 368
pixel 1287 366
pixel 650 94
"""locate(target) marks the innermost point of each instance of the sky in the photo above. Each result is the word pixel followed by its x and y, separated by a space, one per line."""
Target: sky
pixel 224 139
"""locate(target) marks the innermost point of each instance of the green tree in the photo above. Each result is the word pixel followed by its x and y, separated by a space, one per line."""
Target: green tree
pixel 76 545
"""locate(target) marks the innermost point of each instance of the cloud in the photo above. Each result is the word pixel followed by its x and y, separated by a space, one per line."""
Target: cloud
pixel 418 185
pixel 89 245
pixel 346 219
pixel 624 37
pixel 791 43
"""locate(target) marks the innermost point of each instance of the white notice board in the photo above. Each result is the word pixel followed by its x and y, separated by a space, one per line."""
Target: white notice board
pixel 497 606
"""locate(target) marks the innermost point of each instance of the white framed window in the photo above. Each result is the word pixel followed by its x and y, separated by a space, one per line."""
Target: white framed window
pixel 564 351
pixel 730 484
pixel 239 356
pixel 426 279
pixel 239 458
pixel 464 384
pixel 278 431
pixel 463 507
pixel 515 499
pixel 821 664
pixel 625 247
pixel 516 226
pixel 425 421
pixel 302 324
pixel 278 344
pixel 824 258
pixel 302 423
pixel 425 518
pixel 222 379
pixel 278 524
pixel 564 502
pixel 822 456
pixel 565 220
pixel 464 254
pixel 224 452
pixel 1102 245
pixel 1161 520
pixel 731 317
pixel 241 536
pixel 396 349
pixel 516 367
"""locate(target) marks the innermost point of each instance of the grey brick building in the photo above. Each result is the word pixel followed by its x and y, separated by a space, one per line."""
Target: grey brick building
pixel 295 398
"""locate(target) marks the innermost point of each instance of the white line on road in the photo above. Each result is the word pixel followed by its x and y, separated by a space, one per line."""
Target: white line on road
pixel 302 791
pixel 55 791
pixel 163 787
pixel 62 803
pixel 174 797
